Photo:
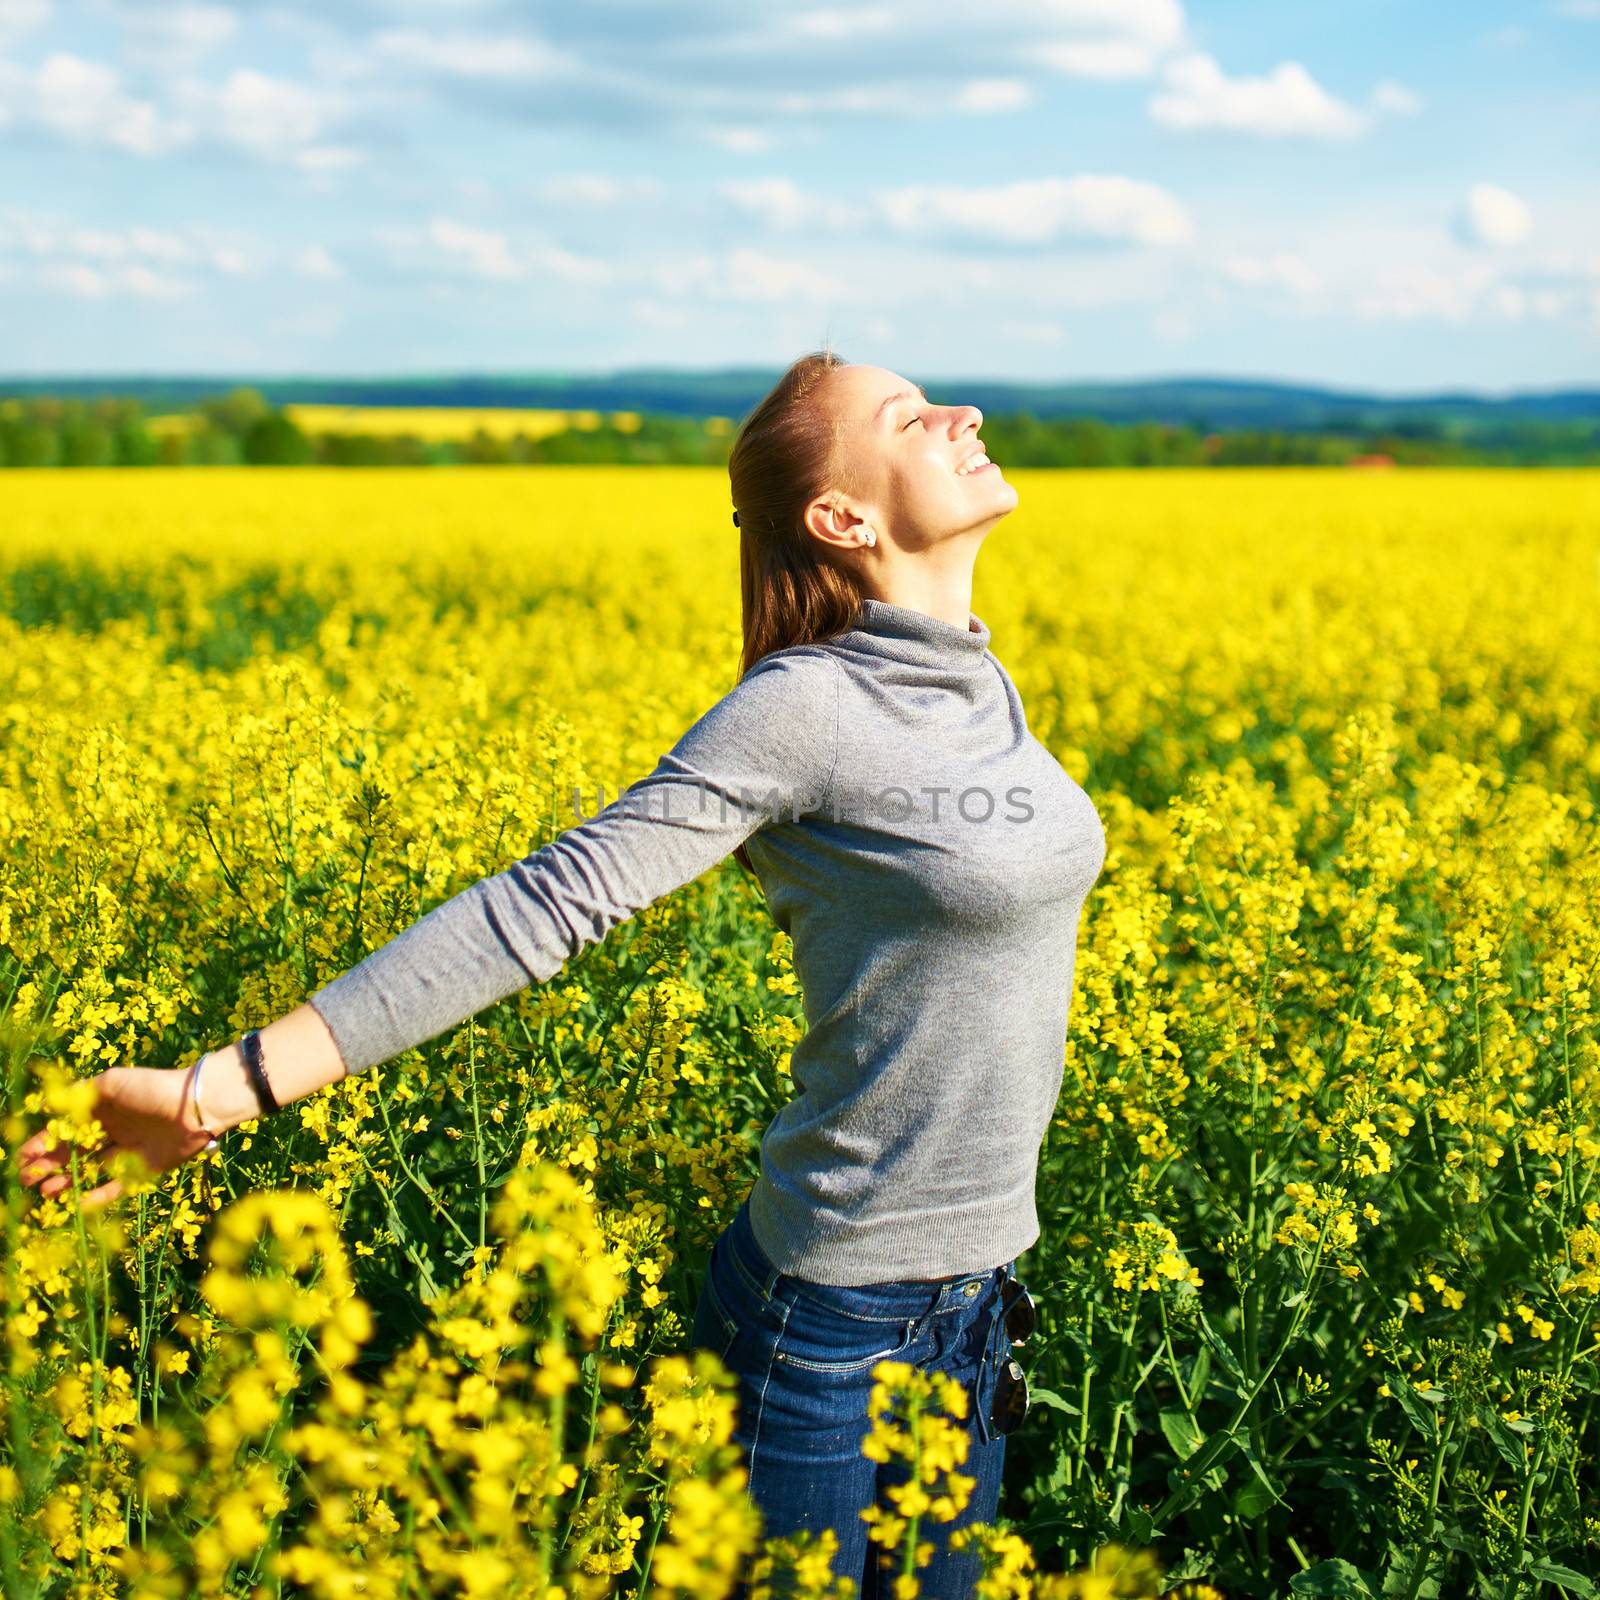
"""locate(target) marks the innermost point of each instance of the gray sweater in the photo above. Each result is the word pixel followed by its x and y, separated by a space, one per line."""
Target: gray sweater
pixel 929 858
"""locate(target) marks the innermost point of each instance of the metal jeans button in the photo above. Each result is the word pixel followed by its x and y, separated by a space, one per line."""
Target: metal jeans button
pixel 970 1290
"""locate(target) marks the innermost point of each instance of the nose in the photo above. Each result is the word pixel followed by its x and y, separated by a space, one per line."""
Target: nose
pixel 970 418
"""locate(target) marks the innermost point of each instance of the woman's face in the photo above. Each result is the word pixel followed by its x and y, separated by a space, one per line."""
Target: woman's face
pixel 903 459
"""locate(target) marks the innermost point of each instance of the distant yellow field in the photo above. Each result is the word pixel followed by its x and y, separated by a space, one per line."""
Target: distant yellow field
pixel 452 422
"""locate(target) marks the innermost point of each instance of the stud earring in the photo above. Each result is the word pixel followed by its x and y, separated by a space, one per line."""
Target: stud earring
pixel 870 537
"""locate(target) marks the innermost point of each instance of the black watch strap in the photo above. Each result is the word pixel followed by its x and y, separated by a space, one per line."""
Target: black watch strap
pixel 256 1072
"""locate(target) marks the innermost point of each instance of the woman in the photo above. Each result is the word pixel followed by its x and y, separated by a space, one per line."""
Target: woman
pixel 929 858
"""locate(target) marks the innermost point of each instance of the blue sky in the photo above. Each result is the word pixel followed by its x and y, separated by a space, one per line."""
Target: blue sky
pixel 1368 194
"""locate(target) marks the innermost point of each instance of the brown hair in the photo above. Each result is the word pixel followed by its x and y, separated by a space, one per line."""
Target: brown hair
pixel 784 456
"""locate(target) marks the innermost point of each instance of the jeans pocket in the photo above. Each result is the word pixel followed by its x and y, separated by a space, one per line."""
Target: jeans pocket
pixel 825 1332
pixel 715 1326
pixel 731 1301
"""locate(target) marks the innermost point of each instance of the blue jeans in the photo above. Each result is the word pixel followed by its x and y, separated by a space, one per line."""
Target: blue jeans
pixel 803 1355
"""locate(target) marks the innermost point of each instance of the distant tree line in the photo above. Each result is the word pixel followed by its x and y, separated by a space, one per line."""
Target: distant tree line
pixel 243 429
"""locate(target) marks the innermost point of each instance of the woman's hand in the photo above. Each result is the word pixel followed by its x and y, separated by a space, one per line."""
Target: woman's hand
pixel 145 1109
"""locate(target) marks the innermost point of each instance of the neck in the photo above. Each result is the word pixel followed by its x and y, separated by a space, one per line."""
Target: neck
pixel 942 589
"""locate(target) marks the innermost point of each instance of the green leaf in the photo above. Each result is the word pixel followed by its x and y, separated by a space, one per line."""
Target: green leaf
pixel 1454 1537
pixel 1048 1397
pixel 1410 1574
pixel 1182 1432
pixel 1258 1492
pixel 1199 1373
pixel 1219 1348
pixel 1139 1525
pixel 1573 1582
pixel 1336 1579
pixel 1510 1446
pixel 1405 1391
pixel 1252 1498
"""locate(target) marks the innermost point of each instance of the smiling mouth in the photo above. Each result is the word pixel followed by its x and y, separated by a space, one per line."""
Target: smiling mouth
pixel 977 462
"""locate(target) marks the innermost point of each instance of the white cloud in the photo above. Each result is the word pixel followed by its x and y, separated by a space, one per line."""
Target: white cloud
pixel 88 283
pixel 1111 59
pixel 21 17
pixel 465 55
pixel 95 260
pixel 1408 273
pixel 1395 99
pixel 267 116
pixel 142 280
pixel 1412 291
pixel 152 243
pixel 781 203
pixel 1043 210
pixel 101 283
pixel 1157 22
pixel 1562 283
pixel 1281 270
pixel 752 275
pixel 868 99
pixel 274 119
pixel 1580 10
pixel 1107 39
pixel 315 262
pixel 1493 216
pixel 569 266
pixel 837 23
pixel 484 254
pixel 993 94
pixel 172 36
pixel 741 141
pixel 85 102
pixel 228 259
pixel 1286 103
pixel 597 189
pixel 742 274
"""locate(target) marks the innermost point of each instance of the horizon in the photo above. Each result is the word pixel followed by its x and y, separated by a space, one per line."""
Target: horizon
pixel 250 378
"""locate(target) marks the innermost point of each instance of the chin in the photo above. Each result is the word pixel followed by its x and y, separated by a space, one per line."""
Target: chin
pixel 1006 501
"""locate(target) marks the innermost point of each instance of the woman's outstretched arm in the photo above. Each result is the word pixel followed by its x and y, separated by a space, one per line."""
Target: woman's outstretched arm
pixel 764 753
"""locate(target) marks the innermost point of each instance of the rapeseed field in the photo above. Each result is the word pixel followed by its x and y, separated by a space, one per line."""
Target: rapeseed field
pixel 1319 1278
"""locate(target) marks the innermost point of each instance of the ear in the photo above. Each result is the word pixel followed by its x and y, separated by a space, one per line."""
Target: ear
pixel 832 520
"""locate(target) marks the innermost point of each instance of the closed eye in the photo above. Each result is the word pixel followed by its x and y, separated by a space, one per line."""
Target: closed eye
pixel 913 422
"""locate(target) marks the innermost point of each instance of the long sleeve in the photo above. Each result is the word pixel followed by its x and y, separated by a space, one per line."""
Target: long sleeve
pixel 763 754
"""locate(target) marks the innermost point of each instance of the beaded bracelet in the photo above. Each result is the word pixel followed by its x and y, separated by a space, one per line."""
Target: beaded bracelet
pixel 194 1094
pixel 250 1048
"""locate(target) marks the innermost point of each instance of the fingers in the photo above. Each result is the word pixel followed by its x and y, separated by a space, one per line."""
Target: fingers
pixel 35 1161
pixel 32 1149
pixel 92 1200
pixel 103 1195
pixel 50 1172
